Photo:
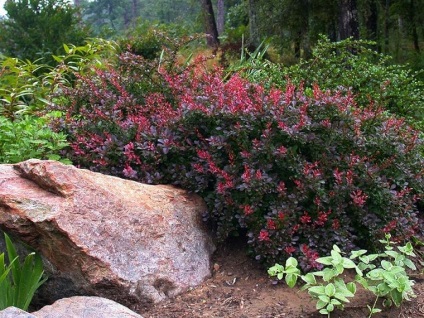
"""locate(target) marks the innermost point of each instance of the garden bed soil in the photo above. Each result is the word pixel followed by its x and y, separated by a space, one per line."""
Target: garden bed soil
pixel 240 288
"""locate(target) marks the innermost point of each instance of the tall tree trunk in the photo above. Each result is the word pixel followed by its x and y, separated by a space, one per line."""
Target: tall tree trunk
pixel 371 22
pixel 220 16
pixel 127 16
pixel 348 20
pixel 253 23
pixel 110 11
pixel 297 45
pixel 210 24
pixel 305 31
pixel 414 26
pixel 386 25
pixel 135 5
pixel 332 30
pixel 77 3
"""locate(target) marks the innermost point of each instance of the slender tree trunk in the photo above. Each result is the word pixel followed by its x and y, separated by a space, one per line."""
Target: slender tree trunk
pixel 415 39
pixel 332 30
pixel 77 3
pixel 386 25
pixel 414 26
pixel 220 16
pixel 253 23
pixel 297 46
pixel 372 21
pixel 135 5
pixel 304 34
pixel 110 11
pixel 210 24
pixel 348 20
pixel 127 17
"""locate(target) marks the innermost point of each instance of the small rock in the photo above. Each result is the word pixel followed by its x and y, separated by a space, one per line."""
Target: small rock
pixel 85 307
pixel 13 312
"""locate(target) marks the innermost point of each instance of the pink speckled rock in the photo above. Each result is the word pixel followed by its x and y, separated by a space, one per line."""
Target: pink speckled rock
pixel 85 307
pixel 133 243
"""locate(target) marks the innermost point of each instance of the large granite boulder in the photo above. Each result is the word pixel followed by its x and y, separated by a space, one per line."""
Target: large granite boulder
pixel 134 243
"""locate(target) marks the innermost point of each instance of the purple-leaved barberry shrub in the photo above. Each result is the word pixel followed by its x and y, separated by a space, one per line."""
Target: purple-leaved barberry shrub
pixel 297 173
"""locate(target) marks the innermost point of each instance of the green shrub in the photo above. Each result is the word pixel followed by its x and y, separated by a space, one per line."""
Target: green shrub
pixel 26 87
pixel 19 281
pixel 21 89
pixel 36 29
pixel 26 91
pixel 384 274
pixel 29 137
pixel 150 39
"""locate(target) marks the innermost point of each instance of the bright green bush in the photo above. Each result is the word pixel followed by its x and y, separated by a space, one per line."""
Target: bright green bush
pixel 27 90
pixel 26 87
pixel 95 52
pixel 19 281
pixel 29 137
pixel 384 274
pixel 21 89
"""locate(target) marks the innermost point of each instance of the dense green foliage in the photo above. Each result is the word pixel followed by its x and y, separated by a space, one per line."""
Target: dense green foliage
pixel 34 28
pixel 22 91
pixel 151 40
pixel 294 26
pixel 29 137
pixel 25 132
pixel 26 89
pixel 114 17
pixel 37 29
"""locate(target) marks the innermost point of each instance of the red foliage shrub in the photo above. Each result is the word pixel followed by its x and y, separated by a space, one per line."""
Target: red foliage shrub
pixel 297 173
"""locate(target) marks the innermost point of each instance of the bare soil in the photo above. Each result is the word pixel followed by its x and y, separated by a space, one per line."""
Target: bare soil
pixel 241 288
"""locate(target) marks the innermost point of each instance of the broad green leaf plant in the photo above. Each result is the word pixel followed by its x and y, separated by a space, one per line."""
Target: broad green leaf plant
pixel 19 281
pixel 30 137
pixel 383 274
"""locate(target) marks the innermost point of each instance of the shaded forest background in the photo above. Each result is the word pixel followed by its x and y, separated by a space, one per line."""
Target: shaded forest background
pixel 292 27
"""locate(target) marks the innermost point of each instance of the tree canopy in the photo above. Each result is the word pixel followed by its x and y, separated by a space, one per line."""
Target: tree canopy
pixel 36 29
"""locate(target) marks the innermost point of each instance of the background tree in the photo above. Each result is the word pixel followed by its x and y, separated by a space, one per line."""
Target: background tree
pixel 294 26
pixel 210 23
pixel 36 29
pixel 220 16
pixel 410 15
pixel 108 14
pixel 111 18
pixel 255 38
pixel 348 20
